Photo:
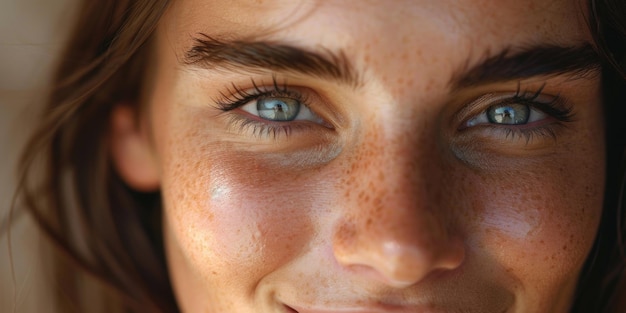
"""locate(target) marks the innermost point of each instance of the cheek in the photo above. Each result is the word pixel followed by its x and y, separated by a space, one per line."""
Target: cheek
pixel 233 222
pixel 540 222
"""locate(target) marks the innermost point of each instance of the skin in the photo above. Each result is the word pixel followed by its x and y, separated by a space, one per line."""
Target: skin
pixel 390 205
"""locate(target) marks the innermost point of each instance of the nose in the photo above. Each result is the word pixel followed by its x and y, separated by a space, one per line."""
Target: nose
pixel 394 226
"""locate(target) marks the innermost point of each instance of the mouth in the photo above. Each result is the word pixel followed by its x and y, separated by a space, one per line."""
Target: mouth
pixel 372 309
pixel 364 309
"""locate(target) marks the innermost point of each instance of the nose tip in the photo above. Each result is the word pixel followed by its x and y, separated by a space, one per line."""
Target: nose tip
pixel 398 262
pixel 405 266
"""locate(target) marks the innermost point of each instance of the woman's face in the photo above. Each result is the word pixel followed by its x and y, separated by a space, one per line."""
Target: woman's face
pixel 376 156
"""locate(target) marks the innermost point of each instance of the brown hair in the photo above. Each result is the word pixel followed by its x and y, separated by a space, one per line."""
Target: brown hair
pixel 602 284
pixel 111 233
pixel 98 225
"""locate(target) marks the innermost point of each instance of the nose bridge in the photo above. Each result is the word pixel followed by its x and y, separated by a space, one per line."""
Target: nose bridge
pixel 397 190
pixel 393 224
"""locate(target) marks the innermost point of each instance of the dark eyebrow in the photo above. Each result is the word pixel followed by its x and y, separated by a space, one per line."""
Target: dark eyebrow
pixel 212 53
pixel 578 61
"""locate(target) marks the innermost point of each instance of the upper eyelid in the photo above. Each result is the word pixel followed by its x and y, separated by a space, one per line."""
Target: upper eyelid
pixel 235 96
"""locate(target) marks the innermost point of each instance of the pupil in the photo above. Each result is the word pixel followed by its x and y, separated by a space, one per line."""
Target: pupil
pixel 279 107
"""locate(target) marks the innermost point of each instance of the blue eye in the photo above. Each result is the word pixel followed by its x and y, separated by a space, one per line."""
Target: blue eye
pixel 280 109
pixel 508 114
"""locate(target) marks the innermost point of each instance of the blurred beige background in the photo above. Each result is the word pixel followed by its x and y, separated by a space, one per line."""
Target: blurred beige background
pixel 31 34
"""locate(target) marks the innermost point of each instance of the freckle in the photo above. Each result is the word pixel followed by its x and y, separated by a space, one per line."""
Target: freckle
pixel 361 195
pixel 345 234
pixel 379 208
pixel 371 185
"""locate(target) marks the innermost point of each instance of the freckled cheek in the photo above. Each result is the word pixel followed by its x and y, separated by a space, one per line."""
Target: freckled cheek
pixel 542 226
pixel 236 216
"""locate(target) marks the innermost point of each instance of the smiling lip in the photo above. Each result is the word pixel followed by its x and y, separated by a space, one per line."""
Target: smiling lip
pixel 378 308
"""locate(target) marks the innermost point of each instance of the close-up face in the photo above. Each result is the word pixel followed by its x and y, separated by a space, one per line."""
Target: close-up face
pixel 375 156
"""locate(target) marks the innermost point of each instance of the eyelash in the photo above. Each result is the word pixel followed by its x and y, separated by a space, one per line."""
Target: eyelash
pixel 235 97
pixel 557 108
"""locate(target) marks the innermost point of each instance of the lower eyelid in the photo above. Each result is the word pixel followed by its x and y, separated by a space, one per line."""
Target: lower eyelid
pixel 487 143
pixel 258 128
pixel 243 122
pixel 530 134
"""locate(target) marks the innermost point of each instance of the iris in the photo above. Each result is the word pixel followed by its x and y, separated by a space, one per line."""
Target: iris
pixel 278 109
pixel 509 114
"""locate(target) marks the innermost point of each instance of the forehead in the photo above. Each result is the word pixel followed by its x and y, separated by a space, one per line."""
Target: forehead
pixel 475 19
